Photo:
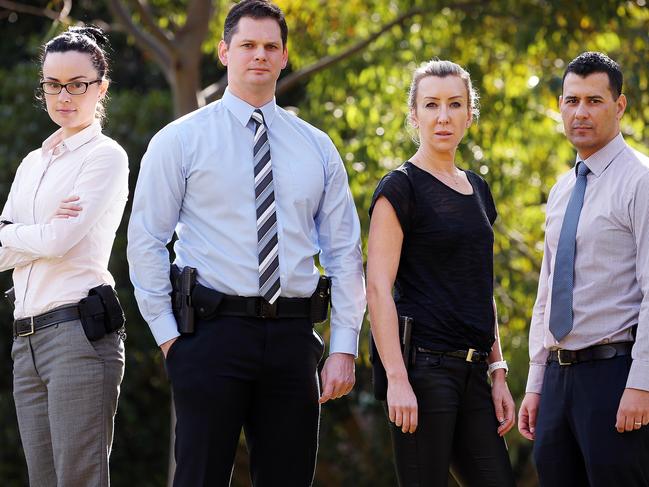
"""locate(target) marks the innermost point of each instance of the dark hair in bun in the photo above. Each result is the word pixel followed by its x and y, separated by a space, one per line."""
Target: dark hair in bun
pixel 88 39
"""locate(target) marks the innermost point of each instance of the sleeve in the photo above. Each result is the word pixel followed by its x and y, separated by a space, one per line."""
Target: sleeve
pixel 100 181
pixel 395 187
pixel 490 206
pixel 639 374
pixel 10 258
pixel 339 235
pixel 156 206
pixel 538 352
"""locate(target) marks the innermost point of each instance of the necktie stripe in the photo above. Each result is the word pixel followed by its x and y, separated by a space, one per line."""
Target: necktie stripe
pixel 272 267
pixel 263 206
pixel 265 210
pixel 265 227
pixel 263 185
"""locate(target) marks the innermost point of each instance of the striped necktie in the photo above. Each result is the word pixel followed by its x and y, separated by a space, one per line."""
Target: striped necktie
pixel 267 248
pixel 561 313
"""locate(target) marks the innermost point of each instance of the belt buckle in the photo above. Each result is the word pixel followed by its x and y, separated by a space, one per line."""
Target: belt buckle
pixel 31 328
pixel 561 362
pixel 469 354
pixel 265 309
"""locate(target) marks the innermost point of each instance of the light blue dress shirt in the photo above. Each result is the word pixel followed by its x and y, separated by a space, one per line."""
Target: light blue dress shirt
pixel 196 179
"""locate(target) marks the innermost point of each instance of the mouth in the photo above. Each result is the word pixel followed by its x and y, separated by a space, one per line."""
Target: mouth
pixel 581 127
pixel 443 133
pixel 259 70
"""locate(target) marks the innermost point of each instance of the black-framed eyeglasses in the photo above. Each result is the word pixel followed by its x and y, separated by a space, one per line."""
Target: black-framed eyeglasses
pixel 73 87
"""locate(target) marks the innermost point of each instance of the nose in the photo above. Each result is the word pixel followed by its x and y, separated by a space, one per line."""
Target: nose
pixel 64 96
pixel 443 114
pixel 582 111
pixel 260 53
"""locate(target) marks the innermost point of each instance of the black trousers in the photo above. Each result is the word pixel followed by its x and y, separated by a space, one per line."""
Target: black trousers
pixel 457 428
pixel 252 373
pixel 576 441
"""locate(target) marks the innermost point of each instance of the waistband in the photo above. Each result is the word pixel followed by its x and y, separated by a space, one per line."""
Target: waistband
pixel 596 352
pixel 30 325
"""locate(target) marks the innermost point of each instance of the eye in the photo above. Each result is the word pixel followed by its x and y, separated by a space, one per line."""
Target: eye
pixel 456 104
pixel 77 85
pixel 431 104
pixel 51 86
pixel 246 45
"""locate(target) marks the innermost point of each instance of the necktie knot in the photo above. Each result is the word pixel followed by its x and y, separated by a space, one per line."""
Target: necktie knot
pixel 582 169
pixel 258 117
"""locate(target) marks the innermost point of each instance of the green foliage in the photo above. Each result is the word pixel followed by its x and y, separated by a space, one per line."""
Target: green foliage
pixel 516 52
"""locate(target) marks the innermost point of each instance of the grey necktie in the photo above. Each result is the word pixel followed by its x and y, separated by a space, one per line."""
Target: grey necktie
pixel 267 248
pixel 561 313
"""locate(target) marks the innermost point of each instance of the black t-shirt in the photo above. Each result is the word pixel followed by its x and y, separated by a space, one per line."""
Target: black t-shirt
pixel 445 276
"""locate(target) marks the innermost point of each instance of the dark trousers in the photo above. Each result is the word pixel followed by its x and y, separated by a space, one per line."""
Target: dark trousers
pixel 576 441
pixel 457 428
pixel 252 373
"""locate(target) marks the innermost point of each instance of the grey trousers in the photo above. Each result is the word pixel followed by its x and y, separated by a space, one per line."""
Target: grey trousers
pixel 66 390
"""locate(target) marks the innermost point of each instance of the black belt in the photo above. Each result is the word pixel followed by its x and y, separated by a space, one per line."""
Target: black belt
pixel 28 326
pixel 209 303
pixel 470 355
pixel 596 352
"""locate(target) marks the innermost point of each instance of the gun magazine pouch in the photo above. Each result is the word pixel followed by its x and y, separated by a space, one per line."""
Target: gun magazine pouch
pixel 100 313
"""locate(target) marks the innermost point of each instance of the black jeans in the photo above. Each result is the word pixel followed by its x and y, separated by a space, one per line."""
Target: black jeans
pixel 252 373
pixel 576 441
pixel 457 428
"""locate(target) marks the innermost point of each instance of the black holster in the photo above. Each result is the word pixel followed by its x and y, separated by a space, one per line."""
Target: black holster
pixel 320 300
pixel 101 313
pixel 183 283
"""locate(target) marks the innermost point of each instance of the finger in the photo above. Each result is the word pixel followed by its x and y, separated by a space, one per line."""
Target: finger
pixel 392 413
pixel 405 425
pixel 70 199
pixel 398 417
pixel 524 424
pixel 619 422
pixel 413 420
pixel 66 212
pixel 70 206
pixel 327 392
pixel 532 421
pixel 645 419
pixel 637 423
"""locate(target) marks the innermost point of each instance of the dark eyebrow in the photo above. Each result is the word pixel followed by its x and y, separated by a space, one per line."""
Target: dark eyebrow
pixel 71 79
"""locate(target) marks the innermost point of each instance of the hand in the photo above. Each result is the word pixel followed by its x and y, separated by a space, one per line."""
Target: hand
pixel 166 346
pixel 338 376
pixel 67 208
pixel 633 412
pixel 503 402
pixel 527 414
pixel 402 404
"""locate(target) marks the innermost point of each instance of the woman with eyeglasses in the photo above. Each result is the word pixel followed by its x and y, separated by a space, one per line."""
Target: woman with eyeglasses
pixel 58 227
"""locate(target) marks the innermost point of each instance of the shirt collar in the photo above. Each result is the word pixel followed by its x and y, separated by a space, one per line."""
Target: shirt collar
pixel 74 142
pixel 600 160
pixel 243 110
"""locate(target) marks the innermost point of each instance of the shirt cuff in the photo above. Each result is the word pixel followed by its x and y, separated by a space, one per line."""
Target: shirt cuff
pixel 164 328
pixel 638 375
pixel 535 378
pixel 344 340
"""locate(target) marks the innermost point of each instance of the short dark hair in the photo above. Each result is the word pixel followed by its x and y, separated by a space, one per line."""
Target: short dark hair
pixel 596 62
pixel 257 9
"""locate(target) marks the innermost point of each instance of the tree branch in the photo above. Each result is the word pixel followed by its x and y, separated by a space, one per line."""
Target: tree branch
pixel 148 21
pixel 147 42
pixel 193 33
pixel 40 12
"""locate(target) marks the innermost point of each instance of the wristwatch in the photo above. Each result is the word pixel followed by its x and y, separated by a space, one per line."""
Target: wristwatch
pixel 501 364
pixel 4 223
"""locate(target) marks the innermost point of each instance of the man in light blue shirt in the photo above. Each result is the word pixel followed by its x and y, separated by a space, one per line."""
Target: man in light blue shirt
pixel 253 194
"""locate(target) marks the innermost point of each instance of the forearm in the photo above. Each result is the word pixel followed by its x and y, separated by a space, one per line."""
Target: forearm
pixel 385 330
pixel 496 354
pixel 10 259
